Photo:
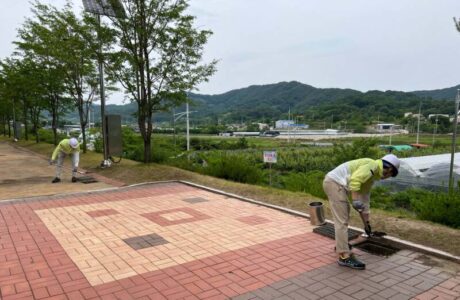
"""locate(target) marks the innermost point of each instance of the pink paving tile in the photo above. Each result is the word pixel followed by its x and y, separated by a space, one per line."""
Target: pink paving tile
pixel 253 220
pixel 190 215
pixel 102 213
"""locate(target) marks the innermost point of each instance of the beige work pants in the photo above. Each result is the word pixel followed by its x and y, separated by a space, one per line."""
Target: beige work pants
pixel 340 208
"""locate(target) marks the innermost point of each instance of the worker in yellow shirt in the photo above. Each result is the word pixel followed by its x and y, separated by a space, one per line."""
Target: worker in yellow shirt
pixel 354 178
pixel 66 147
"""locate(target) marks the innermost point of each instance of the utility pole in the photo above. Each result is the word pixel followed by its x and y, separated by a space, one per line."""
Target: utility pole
pixel 188 126
pixel 435 128
pixel 454 144
pixel 418 123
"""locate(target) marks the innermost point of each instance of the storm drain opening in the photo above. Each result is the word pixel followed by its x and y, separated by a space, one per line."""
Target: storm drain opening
pixel 328 231
pixel 380 248
pixel 87 179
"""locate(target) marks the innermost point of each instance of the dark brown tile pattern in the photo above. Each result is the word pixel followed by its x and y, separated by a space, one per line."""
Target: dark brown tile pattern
pixel 145 241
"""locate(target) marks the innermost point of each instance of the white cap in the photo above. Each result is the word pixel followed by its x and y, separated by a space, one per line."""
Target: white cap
pixel 394 161
pixel 73 143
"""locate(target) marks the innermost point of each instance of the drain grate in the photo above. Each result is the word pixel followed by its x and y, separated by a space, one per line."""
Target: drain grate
pixel 195 200
pixel 377 248
pixel 87 179
pixel 328 230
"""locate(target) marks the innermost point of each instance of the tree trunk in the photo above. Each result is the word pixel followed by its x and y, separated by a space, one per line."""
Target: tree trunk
pixel 9 127
pixel 26 127
pixel 82 125
pixel 54 126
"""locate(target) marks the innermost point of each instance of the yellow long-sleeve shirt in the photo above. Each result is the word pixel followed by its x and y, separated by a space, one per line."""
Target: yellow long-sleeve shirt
pixel 358 175
pixel 65 147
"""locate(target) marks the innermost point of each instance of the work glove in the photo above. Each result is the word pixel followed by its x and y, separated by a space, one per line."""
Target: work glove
pixel 52 162
pixel 75 170
pixel 368 229
pixel 358 205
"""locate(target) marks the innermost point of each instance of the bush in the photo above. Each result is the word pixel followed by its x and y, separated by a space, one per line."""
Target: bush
pixel 46 136
pixel 233 167
pixel 358 149
pixel 438 207
pixel 309 182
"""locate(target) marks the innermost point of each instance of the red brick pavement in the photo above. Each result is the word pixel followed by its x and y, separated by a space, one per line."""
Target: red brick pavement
pixel 34 265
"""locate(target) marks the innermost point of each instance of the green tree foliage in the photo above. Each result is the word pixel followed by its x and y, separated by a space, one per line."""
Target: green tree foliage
pixel 158 57
pixel 38 43
pixel 67 45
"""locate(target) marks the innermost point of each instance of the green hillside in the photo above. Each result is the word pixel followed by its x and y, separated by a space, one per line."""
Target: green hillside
pixel 309 104
pixel 448 93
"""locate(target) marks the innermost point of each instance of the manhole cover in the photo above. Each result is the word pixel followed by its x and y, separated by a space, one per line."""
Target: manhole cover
pixel 377 248
pixel 328 230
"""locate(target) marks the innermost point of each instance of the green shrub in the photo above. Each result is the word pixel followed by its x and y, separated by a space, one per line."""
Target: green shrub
pixel 358 149
pixel 46 136
pixel 233 167
pixel 310 182
pixel 438 207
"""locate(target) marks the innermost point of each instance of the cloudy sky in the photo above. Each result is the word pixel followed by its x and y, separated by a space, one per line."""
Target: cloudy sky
pixel 360 44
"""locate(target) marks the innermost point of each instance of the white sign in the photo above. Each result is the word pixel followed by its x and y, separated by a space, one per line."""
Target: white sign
pixel 270 157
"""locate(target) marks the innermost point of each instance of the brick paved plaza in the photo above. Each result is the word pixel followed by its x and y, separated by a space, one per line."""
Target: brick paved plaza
pixel 175 241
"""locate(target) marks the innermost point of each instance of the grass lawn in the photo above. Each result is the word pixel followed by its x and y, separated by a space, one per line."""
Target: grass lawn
pixel 130 172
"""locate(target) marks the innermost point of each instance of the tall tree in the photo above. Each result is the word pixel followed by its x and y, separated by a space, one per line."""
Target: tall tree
pixel 64 40
pixel 159 57
pixel 39 42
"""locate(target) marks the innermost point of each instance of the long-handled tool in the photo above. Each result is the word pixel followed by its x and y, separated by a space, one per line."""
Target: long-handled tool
pixel 368 229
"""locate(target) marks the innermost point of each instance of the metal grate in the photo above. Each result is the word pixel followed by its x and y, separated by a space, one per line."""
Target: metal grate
pixel 328 230
pixel 195 200
pixel 377 248
pixel 87 179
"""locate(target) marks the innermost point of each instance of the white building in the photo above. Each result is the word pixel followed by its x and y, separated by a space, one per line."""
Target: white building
pixel 284 124
pixel 388 128
pixel 437 115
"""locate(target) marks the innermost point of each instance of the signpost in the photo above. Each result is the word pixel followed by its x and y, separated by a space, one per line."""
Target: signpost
pixel 270 158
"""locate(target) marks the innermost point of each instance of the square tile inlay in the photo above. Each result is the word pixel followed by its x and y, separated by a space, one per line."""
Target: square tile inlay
pixel 145 241
pixel 195 200
pixel 253 220
pixel 169 217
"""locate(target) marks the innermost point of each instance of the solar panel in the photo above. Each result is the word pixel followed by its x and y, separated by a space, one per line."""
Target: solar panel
pixel 111 8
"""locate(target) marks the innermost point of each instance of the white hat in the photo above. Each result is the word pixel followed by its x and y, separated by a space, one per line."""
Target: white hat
pixel 394 161
pixel 73 143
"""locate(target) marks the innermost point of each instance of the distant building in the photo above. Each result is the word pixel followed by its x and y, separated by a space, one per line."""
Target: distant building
pixel 388 128
pixel 407 114
pixel 284 124
pixel 437 115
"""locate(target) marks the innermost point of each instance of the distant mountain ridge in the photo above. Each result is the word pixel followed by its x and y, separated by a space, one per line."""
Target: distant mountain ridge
pixel 275 101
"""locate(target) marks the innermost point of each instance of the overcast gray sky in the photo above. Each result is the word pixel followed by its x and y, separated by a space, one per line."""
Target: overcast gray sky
pixel 360 44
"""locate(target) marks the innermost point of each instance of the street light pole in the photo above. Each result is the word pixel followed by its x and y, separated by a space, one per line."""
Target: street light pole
pixel 188 127
pixel 454 144
pixel 418 122
pixel 105 163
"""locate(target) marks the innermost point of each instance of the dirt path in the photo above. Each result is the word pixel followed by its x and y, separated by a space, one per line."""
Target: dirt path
pixel 25 174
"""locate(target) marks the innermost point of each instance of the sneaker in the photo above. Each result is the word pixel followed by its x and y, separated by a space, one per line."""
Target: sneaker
pixel 56 180
pixel 74 179
pixel 351 262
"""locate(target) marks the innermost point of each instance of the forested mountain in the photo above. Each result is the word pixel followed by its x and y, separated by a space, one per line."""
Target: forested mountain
pixel 447 94
pixel 274 101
